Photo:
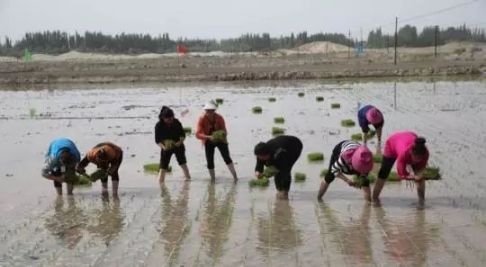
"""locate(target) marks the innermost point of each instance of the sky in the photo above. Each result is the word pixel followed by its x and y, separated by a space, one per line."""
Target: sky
pixel 229 18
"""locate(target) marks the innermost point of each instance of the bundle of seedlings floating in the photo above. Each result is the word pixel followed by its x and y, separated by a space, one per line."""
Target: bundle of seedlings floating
pixel 431 173
pixel 277 131
pixel 263 179
pixel 272 99
pixel 335 105
pixel 357 137
pixel 256 110
pixel 154 168
pixel 301 94
pixel 315 156
pixel 188 130
pixel 319 98
pixel 279 120
pixel 219 136
pixel 348 123
pixel 219 101
pixel 169 144
pixel 299 177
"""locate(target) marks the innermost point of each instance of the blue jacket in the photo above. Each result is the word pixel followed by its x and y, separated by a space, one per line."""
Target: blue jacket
pixel 363 122
pixel 53 164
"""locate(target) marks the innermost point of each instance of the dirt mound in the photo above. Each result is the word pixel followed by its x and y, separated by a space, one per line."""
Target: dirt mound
pixel 321 48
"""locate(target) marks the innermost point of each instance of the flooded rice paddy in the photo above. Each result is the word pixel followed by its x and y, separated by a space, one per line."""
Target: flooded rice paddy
pixel 199 223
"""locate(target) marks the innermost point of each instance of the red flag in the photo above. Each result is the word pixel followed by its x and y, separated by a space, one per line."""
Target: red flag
pixel 181 49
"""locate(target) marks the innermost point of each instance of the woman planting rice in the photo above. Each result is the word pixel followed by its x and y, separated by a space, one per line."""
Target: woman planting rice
pixel 280 152
pixel 411 155
pixel 108 158
pixel 349 157
pixel 211 130
pixel 169 136
pixel 370 115
pixel 61 159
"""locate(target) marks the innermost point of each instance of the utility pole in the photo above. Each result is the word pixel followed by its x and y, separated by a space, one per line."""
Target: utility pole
pixel 349 44
pixel 396 39
pixel 436 40
pixel 387 40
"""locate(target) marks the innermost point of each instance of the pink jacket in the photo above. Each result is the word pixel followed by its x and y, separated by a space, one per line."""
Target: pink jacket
pixel 399 146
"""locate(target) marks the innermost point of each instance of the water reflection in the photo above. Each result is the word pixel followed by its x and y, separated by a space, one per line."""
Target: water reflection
pixel 352 239
pixel 177 224
pixel 109 220
pixel 279 231
pixel 216 220
pixel 407 241
pixel 67 222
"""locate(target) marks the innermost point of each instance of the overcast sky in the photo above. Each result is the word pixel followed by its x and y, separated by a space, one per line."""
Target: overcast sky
pixel 228 18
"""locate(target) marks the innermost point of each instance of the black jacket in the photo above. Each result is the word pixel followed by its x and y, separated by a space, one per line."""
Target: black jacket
pixel 174 131
pixel 284 152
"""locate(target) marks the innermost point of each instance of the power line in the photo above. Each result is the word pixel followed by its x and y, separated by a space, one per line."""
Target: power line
pixel 425 15
pixel 438 11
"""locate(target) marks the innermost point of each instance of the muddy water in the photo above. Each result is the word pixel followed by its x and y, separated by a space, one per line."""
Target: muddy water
pixel 225 224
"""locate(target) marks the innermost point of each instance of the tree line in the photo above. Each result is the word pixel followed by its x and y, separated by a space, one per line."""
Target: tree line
pixel 408 36
pixel 57 42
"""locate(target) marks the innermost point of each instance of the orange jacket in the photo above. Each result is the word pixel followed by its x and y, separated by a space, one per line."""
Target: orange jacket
pixel 113 155
pixel 207 127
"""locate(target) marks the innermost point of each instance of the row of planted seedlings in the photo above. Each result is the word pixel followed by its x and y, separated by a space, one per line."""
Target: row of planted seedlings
pixel 270 171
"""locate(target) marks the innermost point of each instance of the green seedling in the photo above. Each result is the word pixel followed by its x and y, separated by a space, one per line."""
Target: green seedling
pixel 370 134
pixel 393 177
pixel 377 158
pixel 357 137
pixel 272 99
pixel 279 120
pixel 154 168
pixel 299 177
pixel 268 172
pixel 33 113
pixel 219 136
pixel 262 182
pixel 257 110
pixel 315 156
pixel 348 123
pixel 219 101
pixel 323 173
pixel 188 130
pixel 319 98
pixel 277 131
pixel 335 105
pixel 83 180
pixel 169 144
pixel 301 94
pixel 99 174
pixel 431 173
pixel 360 180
